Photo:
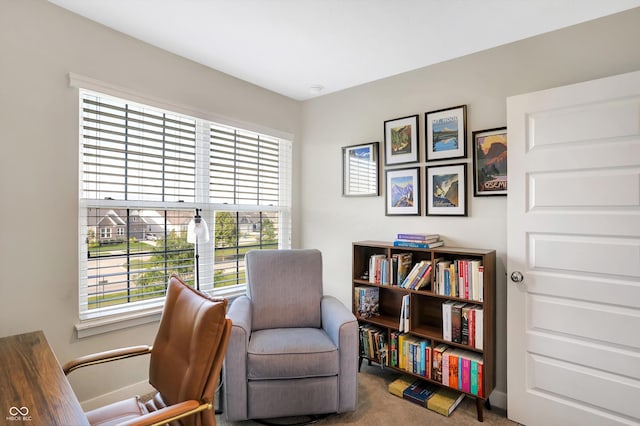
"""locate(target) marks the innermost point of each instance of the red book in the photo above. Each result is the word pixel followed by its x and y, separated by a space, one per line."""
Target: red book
pixel 427 362
pixel 472 327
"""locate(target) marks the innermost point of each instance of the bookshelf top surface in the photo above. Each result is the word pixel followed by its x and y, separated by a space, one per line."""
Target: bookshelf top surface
pixel 441 249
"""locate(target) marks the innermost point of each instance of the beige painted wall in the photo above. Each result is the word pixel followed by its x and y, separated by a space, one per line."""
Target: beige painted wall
pixel 481 81
pixel 39 45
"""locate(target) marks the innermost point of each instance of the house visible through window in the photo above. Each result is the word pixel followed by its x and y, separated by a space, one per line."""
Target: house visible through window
pixel 144 171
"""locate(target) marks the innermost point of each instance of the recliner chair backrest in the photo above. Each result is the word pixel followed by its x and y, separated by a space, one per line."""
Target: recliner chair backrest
pixel 285 287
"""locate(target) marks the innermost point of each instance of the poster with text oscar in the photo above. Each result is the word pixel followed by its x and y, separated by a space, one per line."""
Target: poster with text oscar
pixel 446 131
pixel 490 162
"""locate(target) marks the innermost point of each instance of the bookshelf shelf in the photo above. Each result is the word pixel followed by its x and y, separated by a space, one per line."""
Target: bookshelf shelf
pixel 380 334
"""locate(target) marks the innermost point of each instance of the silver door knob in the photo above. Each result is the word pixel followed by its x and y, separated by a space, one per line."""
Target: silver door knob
pixel 517 277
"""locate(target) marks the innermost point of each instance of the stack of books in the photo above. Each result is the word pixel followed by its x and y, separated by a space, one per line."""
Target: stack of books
pixel 427 395
pixel 427 241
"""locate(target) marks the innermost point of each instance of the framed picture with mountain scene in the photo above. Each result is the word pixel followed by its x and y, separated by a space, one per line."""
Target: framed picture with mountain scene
pixel 401 140
pixel 447 190
pixel 445 135
pixel 490 162
pixel 403 192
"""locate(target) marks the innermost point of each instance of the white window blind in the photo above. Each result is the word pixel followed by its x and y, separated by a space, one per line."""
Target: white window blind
pixel 143 172
pixel 135 153
pixel 245 168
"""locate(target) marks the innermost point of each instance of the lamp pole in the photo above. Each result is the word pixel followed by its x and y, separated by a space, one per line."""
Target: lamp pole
pixel 196 231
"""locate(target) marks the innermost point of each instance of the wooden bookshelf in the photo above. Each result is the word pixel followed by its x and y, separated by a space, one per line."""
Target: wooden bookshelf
pixel 425 307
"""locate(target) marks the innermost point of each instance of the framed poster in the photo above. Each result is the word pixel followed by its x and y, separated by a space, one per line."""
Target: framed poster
pixel 401 140
pixel 445 135
pixel 360 170
pixel 447 190
pixel 403 192
pixel 490 162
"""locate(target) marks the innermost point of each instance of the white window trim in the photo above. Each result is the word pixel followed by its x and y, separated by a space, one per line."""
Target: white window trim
pixel 90 326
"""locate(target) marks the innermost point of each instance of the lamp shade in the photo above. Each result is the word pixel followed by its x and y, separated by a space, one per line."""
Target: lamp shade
pixel 197 231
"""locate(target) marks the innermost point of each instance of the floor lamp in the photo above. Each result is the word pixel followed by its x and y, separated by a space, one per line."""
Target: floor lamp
pixel 197 232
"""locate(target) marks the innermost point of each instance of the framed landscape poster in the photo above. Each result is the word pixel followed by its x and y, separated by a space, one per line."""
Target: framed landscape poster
pixel 360 170
pixel 401 140
pixel 446 190
pixel 490 162
pixel 445 134
pixel 403 191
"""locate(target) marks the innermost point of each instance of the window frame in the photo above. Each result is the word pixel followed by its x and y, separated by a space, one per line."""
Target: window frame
pixel 132 313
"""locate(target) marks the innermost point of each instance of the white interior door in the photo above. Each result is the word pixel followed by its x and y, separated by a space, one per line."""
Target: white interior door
pixel 573 331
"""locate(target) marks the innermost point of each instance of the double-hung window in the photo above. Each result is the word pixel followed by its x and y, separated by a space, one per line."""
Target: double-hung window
pixel 144 173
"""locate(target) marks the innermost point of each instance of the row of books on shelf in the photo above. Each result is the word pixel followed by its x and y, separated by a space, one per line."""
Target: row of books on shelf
pixel 458 368
pixel 463 323
pixel 398 271
pixel 435 398
pixel 461 278
pixel 454 367
pixel 373 343
pixel 389 271
pixel 427 241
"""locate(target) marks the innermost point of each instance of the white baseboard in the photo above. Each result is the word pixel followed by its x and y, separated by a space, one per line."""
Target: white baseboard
pixel 498 399
pixel 140 388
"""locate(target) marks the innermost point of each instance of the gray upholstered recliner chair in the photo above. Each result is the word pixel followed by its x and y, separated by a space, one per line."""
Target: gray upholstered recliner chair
pixel 292 350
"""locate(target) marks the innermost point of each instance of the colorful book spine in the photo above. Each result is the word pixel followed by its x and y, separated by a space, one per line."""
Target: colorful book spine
pixel 456 322
pixel 436 369
pixel 479 328
pixel 464 325
pixel 466 375
pixel 446 320
pixel 453 369
pixel 445 367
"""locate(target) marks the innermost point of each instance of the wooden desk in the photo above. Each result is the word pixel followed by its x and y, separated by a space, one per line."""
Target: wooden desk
pixel 33 388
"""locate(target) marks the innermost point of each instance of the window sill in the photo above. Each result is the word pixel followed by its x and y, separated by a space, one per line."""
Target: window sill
pixel 106 324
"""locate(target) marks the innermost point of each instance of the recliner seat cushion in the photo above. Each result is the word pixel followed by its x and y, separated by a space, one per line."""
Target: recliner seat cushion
pixel 289 353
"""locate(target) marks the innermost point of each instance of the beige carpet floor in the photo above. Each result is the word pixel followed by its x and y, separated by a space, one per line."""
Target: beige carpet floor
pixel 377 407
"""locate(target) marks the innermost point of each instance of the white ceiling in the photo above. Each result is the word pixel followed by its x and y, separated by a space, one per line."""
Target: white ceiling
pixel 289 46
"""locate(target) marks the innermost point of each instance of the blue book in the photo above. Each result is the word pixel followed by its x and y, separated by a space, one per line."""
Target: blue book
pixel 419 392
pixel 411 244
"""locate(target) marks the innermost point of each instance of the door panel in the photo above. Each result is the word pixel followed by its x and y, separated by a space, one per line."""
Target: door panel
pixel 573 335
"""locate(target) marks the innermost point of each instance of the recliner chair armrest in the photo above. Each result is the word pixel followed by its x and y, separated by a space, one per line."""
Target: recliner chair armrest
pixel 334 316
pixel 240 314
pixel 106 356
pixel 235 363
pixel 342 328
